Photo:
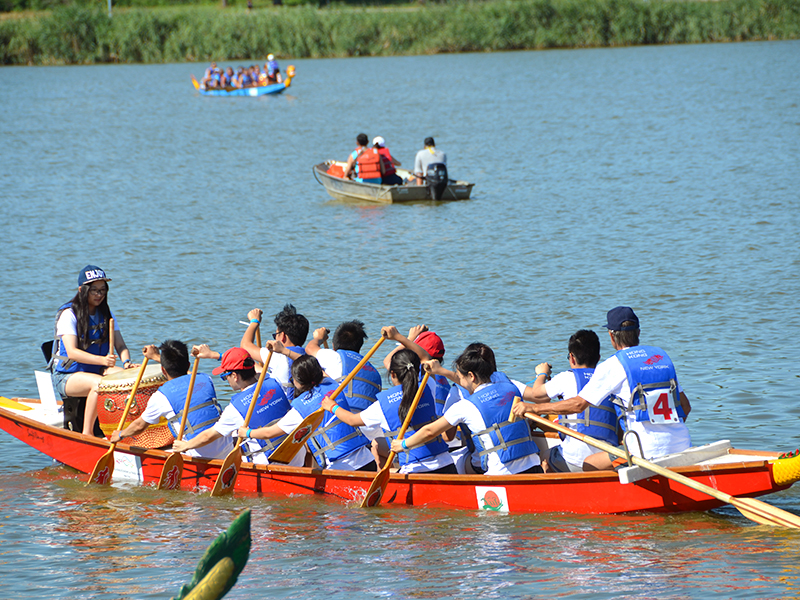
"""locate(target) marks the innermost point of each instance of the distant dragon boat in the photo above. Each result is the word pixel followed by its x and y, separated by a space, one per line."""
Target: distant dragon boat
pixel 742 473
pixel 260 90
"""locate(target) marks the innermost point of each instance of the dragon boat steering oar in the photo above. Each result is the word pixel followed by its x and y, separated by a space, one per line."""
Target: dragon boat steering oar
pixel 292 443
pixel 229 470
pixel 172 470
pixel 381 481
pixel 753 509
pixel 104 468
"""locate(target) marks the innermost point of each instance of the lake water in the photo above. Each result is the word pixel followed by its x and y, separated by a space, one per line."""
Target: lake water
pixel 664 178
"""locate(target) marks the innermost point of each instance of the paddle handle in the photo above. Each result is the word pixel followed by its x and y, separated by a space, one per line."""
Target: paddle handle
pixel 513 417
pixel 407 421
pixel 256 393
pixel 188 398
pixel 357 368
pixel 111 335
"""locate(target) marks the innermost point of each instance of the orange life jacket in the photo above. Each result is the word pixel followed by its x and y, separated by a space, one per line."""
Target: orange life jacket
pixel 369 164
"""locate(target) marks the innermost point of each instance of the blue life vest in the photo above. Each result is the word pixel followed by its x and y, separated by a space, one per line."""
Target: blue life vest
pixel 441 388
pixel 650 372
pixel 203 410
pixel 97 331
pixel 596 421
pixel 511 441
pixel 272 66
pixel 272 406
pixel 423 415
pixel 364 387
pixel 333 438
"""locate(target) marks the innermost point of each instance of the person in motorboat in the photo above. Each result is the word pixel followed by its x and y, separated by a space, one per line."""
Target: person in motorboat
pixel 168 401
pixel 238 368
pixel 385 417
pixel 426 157
pixel 338 363
pixel 640 379
pixel 81 355
pixel 336 445
pixel 364 162
pixel 596 421
pixel 291 330
pixel 505 448
pixel 390 176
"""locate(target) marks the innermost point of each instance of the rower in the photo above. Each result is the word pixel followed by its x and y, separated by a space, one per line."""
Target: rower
pixel 505 448
pixel 168 402
pixel 291 330
pixel 238 369
pixel 336 444
pixel 640 379
pixel 596 421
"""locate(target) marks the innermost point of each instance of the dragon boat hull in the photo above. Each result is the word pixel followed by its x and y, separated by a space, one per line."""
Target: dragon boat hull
pixel 740 473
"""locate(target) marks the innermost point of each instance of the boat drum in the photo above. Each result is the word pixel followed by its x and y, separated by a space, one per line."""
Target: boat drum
pixel 112 394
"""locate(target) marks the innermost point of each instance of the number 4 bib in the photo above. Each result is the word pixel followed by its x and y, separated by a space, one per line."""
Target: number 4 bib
pixel 661 407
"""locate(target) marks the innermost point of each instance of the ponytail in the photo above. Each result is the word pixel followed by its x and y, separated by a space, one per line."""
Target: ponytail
pixel 405 365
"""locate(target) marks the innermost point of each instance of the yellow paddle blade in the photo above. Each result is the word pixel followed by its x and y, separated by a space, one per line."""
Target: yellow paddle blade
pixel 104 469
pixel 9 403
pixel 195 83
pixel 171 472
pixel 228 473
pixel 213 585
pixel 766 514
pixel 379 485
pixel 292 443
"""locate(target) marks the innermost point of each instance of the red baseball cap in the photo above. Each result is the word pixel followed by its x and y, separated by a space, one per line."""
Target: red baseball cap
pixel 432 343
pixel 233 360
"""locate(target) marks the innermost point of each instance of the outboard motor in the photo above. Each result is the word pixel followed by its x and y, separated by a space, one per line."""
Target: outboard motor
pixel 436 178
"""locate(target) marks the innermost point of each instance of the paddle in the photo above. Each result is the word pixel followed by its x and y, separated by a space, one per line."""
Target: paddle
pixel 258 342
pixel 195 83
pixel 753 509
pixel 104 468
pixel 172 470
pixel 378 487
pixel 111 336
pixel 292 443
pixel 229 470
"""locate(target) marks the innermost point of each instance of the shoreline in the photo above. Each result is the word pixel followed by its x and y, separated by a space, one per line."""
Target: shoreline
pixel 81 35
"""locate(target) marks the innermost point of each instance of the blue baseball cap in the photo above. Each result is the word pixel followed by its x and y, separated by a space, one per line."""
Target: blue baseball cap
pixel 617 316
pixel 91 273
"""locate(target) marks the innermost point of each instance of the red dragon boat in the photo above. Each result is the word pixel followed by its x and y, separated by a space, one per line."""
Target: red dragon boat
pixel 745 473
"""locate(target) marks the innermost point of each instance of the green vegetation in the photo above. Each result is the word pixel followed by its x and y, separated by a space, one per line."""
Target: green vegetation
pixel 80 34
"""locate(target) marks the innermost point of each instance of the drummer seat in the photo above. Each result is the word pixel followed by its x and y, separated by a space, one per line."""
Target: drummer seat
pixel 74 407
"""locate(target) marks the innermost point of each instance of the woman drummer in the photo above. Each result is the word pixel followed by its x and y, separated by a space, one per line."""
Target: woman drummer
pixel 81 355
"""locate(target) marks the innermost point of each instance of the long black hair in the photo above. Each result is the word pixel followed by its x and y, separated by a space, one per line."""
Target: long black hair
pixel 405 366
pixel 80 306
pixel 477 358
pixel 306 373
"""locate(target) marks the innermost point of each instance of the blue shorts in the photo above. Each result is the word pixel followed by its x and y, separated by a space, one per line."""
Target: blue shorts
pixel 60 382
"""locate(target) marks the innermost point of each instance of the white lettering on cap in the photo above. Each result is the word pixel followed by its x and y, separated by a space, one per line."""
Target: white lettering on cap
pixel 90 275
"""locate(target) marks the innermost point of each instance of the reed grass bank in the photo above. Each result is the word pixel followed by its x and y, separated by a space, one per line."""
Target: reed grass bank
pixel 81 35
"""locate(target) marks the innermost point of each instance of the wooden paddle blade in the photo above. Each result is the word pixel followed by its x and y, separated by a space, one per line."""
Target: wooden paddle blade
pixel 195 83
pixel 171 472
pixel 766 514
pixel 228 473
pixel 292 443
pixel 378 487
pixel 103 469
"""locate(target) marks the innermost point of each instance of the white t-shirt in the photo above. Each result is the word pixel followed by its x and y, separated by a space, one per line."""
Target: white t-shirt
pixel 657 440
pixel 350 462
pixel 331 362
pixel 563 386
pixel 465 411
pixel 232 419
pixel 279 368
pixel 375 420
pixel 158 406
